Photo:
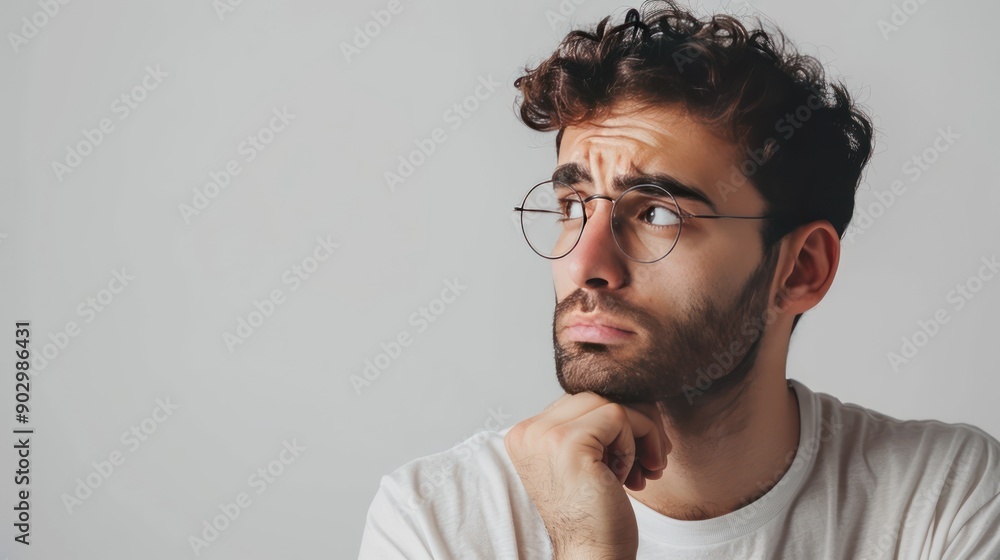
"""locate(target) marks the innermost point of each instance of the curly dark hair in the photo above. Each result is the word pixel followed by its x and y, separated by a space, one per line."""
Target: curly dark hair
pixel 806 141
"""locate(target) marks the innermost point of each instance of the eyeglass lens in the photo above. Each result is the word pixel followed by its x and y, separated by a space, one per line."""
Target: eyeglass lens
pixel 646 220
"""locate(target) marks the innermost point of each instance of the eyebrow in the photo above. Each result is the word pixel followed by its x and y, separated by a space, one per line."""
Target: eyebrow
pixel 574 173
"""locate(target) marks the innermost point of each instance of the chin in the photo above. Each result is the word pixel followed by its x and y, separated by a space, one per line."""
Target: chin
pixel 610 383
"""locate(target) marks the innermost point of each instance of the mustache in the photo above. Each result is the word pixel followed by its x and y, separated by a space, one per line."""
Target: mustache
pixel 608 303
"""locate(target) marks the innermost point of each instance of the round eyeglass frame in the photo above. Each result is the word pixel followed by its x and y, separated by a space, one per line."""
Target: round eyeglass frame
pixel 682 214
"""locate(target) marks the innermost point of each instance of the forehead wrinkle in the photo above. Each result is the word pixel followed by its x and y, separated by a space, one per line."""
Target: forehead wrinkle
pixel 610 154
pixel 630 139
pixel 665 141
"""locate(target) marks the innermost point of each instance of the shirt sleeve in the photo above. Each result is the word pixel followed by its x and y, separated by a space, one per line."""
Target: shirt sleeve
pixel 389 533
pixel 979 537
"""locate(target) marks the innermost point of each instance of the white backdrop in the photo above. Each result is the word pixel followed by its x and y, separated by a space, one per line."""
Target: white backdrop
pixel 196 222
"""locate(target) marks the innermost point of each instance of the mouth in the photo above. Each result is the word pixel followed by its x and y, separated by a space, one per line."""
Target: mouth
pixel 597 330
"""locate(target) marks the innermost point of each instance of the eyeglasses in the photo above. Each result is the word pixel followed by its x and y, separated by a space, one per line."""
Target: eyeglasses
pixel 646 220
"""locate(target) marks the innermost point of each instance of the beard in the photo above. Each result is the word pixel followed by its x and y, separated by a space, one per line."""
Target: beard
pixel 709 351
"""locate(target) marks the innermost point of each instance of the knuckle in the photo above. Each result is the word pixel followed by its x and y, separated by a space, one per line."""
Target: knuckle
pixel 516 431
pixel 620 465
pixel 616 412
pixel 556 436
pixel 514 438
pixel 591 397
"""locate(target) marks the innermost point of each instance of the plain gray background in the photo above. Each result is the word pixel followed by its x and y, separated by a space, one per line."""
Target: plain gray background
pixel 323 176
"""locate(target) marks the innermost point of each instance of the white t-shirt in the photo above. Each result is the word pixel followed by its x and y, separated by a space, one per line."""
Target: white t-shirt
pixel 861 486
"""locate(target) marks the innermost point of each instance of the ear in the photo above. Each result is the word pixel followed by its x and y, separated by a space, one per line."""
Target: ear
pixel 809 258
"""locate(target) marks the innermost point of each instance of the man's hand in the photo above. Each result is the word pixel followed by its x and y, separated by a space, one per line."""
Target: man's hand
pixel 573 459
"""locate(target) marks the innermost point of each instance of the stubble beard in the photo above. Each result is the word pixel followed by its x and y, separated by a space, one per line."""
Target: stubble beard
pixel 667 363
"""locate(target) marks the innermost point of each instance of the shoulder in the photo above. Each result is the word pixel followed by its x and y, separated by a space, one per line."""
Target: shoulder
pixel 884 438
pixel 939 461
pixel 474 467
pixel 928 487
pixel 465 501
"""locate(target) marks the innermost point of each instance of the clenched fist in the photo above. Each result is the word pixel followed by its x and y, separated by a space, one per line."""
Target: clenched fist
pixel 574 458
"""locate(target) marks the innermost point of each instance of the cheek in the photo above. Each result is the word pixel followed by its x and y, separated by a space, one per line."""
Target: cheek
pixel 676 291
pixel 663 291
pixel 716 267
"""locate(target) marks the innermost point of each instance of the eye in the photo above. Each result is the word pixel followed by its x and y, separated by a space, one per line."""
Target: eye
pixel 571 208
pixel 660 216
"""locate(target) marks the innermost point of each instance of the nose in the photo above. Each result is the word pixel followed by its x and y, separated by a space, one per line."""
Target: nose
pixel 596 261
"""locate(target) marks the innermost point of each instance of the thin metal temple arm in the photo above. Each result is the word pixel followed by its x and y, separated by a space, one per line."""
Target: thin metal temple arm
pixel 719 216
pixel 519 209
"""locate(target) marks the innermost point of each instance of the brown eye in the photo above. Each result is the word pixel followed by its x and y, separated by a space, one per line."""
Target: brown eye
pixel 660 216
pixel 571 208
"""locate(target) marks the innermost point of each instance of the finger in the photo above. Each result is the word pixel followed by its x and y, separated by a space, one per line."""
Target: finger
pixel 649 452
pixel 649 435
pixel 567 408
pixel 606 434
pixel 556 402
pixel 652 475
pixel 623 450
pixel 644 418
pixel 654 414
pixel 636 477
pixel 650 438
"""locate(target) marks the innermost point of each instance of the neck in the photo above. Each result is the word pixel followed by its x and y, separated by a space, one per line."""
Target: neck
pixel 730 449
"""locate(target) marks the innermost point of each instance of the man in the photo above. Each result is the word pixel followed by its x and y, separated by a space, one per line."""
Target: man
pixel 706 174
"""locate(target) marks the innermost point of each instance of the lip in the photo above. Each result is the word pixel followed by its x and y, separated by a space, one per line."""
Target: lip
pixel 596 330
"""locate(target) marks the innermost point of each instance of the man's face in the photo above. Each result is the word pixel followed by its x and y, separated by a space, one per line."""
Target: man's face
pixel 698 311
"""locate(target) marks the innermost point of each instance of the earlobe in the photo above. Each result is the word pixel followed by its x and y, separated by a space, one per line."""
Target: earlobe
pixel 816 254
pixel 783 299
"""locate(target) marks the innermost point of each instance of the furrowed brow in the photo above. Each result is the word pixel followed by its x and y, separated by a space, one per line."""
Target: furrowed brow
pixel 672 185
pixel 573 174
